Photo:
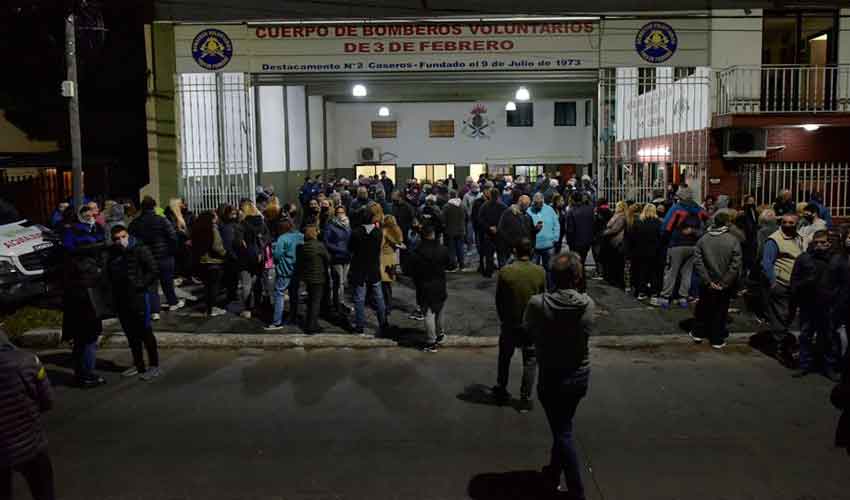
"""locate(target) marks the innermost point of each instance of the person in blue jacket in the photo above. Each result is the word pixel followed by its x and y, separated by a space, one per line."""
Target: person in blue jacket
pixel 549 232
pixel 284 252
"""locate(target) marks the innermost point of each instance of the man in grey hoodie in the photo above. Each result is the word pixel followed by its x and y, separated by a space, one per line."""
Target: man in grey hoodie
pixel 718 260
pixel 562 322
pixel 25 394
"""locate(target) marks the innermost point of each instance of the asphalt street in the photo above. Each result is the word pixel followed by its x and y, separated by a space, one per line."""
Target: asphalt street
pixel 667 423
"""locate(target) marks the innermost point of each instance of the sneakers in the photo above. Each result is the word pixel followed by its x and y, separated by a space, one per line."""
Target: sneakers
pixel 654 301
pixel 664 303
pixel 91 381
pixel 440 338
pixel 525 405
pixel 216 311
pixel 719 346
pixel 683 303
pixel 430 348
pixel 642 296
pixel 150 374
pixel 417 315
pixel 130 372
pixel 500 395
pixel 179 305
pixel 245 314
pixel 273 327
pixel 697 340
pixel 155 317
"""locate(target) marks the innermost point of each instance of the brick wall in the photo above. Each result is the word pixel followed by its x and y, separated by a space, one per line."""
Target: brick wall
pixel 826 144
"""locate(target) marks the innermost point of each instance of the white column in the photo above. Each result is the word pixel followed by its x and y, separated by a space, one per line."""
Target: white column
pixel 315 105
pixel 296 119
pixel 273 128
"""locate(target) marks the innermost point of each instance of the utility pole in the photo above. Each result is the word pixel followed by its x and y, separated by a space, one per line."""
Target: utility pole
pixel 69 89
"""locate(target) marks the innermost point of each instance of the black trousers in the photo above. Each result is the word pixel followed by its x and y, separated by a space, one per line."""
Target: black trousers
pixel 387 288
pixel 38 473
pixel 511 338
pixel 315 293
pixel 645 276
pixel 139 331
pixel 711 313
pixel 212 284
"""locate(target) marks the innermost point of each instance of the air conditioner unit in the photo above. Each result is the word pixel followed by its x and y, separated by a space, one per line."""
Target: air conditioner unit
pixel 369 155
pixel 745 143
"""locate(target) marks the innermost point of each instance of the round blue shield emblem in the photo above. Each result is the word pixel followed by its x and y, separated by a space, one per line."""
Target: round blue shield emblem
pixel 212 49
pixel 656 42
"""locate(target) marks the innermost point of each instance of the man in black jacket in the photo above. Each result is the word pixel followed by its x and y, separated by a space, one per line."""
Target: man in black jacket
pixel 580 226
pixel 365 273
pixel 429 263
pixel 159 236
pixel 404 214
pixel 488 223
pixel 813 292
pixel 25 394
pixel 514 225
pixel 132 272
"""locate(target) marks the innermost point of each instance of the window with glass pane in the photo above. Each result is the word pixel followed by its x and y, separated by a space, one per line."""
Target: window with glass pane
pixel 646 80
pixel 433 172
pixel 565 114
pixel 522 117
pixel 530 172
pixel 476 169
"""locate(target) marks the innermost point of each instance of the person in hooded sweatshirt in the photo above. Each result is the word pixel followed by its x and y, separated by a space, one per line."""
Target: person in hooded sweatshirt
pixel 131 270
pixel 682 227
pixel 544 217
pixel 811 223
pixel 429 263
pixel 718 260
pixel 561 322
pixel 815 293
pixel 25 394
pixel 157 233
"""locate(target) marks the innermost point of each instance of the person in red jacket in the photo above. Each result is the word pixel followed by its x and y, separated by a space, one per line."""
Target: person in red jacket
pixel 25 394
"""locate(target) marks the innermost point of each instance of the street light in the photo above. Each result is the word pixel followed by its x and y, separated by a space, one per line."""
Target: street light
pixel 522 94
pixel 810 127
pixel 510 106
pixel 359 91
pixel 383 111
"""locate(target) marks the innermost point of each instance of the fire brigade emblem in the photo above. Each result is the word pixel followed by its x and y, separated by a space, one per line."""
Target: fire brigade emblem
pixel 212 49
pixel 656 42
pixel 477 125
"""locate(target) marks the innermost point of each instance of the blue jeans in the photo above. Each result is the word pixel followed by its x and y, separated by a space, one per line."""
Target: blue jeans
pixel 560 401
pixel 820 342
pixel 456 255
pixel 281 284
pixel 166 281
pixel 360 304
pixel 85 357
pixel 542 258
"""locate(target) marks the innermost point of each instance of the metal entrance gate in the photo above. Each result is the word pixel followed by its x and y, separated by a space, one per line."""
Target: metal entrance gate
pixel 830 180
pixel 216 137
pixel 653 129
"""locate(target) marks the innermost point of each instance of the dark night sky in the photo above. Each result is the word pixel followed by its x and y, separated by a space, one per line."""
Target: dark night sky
pixel 112 79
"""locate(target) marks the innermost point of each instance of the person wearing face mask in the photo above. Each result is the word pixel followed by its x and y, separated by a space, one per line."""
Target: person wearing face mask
pixel 811 223
pixel 814 293
pixel 544 217
pixel 311 217
pixel 132 273
pixel 84 246
pixel 335 238
pixel 779 254
pixel 514 225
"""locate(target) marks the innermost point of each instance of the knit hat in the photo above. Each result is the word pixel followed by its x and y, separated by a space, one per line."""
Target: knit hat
pixel 685 194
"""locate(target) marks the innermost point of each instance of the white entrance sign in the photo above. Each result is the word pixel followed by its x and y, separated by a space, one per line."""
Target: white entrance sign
pixel 313 48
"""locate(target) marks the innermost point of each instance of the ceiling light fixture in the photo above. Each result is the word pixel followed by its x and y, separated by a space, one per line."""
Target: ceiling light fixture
pixel 522 94
pixel 810 127
pixel 359 90
pixel 510 106
pixel 383 111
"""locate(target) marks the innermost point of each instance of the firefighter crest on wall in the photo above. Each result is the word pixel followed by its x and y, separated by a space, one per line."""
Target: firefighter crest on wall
pixel 477 125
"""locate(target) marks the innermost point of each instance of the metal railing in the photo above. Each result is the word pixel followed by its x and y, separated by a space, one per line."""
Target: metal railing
pixel 829 180
pixel 783 89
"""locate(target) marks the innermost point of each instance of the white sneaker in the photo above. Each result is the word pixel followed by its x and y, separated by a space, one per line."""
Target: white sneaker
pixel 217 311
pixel 719 346
pixel 150 374
pixel 179 305
pixel 155 317
pixel 245 314
pixel 130 372
pixel 697 340
pixel 654 302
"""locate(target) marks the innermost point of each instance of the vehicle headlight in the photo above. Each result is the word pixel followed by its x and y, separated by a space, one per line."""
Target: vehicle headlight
pixel 7 266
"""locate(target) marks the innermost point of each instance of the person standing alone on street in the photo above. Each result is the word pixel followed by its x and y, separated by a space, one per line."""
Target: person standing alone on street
pixel 718 261
pixel 561 323
pixel 25 394
pixel 516 283
pixel 132 273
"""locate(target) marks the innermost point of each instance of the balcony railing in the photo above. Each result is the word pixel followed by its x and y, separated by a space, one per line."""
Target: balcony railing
pixel 783 89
